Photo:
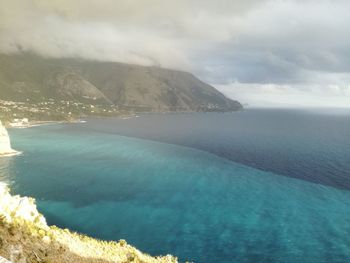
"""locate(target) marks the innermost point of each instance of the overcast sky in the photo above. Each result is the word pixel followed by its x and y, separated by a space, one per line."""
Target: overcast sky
pixel 262 52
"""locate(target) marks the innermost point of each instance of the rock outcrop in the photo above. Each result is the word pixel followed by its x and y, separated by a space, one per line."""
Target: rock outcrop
pixel 25 237
pixel 5 145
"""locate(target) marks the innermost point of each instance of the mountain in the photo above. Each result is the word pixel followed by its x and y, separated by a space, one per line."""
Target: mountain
pixel 31 77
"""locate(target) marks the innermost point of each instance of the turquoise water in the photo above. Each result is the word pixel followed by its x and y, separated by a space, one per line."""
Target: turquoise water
pixel 165 198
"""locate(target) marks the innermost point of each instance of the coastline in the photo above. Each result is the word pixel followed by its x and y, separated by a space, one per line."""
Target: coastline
pixel 72 121
pixel 81 119
pixel 39 123
pixel 9 154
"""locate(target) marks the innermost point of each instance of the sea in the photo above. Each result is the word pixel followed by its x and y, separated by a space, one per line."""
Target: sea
pixel 259 185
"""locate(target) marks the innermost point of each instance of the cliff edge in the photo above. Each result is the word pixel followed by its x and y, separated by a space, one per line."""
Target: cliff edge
pixel 26 237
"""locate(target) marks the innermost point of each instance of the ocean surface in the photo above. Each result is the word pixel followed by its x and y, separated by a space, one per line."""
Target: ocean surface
pixel 251 186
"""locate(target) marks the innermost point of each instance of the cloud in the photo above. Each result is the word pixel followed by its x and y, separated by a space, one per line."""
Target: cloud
pixel 143 32
pixel 231 43
pixel 284 95
pixel 282 41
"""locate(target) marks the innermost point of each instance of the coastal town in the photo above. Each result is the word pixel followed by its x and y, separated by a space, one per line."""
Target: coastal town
pixel 22 114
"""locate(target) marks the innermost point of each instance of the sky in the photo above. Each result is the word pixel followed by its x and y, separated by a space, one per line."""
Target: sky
pixel 265 53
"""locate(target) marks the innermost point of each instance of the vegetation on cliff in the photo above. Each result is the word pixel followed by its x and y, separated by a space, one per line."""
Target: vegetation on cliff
pixel 25 237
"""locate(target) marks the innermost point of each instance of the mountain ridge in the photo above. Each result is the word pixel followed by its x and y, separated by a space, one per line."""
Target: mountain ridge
pixel 26 76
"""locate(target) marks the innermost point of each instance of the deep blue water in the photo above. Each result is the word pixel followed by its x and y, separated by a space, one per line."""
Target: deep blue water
pixel 252 186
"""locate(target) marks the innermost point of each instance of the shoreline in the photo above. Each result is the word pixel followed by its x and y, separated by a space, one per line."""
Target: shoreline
pixel 9 154
pixel 41 123
pixel 82 119
pixel 73 121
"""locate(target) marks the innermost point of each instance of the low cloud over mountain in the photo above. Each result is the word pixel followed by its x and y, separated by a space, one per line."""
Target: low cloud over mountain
pixel 230 43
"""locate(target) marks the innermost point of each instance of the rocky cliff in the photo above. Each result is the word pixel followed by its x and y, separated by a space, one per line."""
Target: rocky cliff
pixel 5 145
pixel 25 237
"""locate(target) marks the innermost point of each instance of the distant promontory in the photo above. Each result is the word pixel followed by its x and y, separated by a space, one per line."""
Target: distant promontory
pixel 76 87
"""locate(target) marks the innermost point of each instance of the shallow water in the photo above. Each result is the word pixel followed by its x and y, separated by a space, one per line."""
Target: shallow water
pixel 167 198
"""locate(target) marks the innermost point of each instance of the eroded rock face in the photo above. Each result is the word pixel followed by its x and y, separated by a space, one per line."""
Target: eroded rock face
pixel 19 207
pixel 5 145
